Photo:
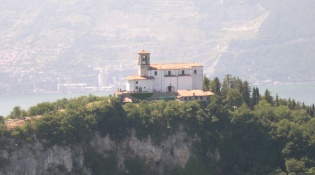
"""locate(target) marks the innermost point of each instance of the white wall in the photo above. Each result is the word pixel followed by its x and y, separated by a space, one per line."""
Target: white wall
pixel 188 81
pixel 162 80
pixel 169 81
pixel 185 82
pixel 146 85
pixel 157 82
pixel 128 86
pixel 197 78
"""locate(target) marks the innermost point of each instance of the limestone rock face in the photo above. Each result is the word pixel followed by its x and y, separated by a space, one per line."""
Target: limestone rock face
pixel 173 151
pixel 35 159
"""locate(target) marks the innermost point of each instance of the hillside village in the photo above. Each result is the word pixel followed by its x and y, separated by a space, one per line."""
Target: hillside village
pixel 22 73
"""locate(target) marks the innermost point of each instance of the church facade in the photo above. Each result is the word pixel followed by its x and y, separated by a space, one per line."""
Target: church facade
pixel 164 77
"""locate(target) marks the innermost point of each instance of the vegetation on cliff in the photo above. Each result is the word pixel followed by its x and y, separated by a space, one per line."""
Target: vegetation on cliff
pixel 254 133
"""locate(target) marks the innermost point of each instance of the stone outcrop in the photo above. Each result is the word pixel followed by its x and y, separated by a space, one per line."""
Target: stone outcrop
pixel 35 159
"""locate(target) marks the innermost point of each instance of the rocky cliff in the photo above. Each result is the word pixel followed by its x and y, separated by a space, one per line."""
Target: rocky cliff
pixel 36 158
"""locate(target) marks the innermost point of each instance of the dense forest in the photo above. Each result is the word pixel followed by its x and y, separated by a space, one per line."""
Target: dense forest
pixel 254 132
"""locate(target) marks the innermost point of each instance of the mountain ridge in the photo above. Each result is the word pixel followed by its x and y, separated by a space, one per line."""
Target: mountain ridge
pixel 227 36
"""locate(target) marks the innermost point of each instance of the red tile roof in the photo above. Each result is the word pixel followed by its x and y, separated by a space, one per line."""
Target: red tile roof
pixel 191 93
pixel 143 52
pixel 173 66
pixel 138 77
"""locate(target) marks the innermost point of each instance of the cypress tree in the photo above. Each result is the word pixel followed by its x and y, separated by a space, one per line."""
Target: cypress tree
pixel 215 85
pixel 206 83
pixel 226 85
pixel 268 97
pixel 277 100
pixel 254 99
pixel 246 93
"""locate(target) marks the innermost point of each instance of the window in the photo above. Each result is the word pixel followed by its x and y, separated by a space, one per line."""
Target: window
pixel 196 98
pixel 155 72
pixel 183 72
pixel 201 98
pixel 195 71
pixel 136 87
pixel 136 82
pixel 189 98
pixel 144 59
pixel 169 72
pixel 185 98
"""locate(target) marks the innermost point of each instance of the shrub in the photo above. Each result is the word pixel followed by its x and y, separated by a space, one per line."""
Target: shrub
pixel 136 166
pixel 142 96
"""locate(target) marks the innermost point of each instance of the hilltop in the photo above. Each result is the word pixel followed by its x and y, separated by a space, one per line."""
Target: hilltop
pixel 235 133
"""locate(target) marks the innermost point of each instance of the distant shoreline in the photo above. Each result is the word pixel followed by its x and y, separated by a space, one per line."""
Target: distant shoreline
pixel 25 101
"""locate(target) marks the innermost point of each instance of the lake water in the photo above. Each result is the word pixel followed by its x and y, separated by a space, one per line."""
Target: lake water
pixel 8 102
pixel 303 92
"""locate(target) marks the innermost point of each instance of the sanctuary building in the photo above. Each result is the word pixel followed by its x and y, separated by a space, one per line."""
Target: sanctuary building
pixel 164 77
pixel 181 81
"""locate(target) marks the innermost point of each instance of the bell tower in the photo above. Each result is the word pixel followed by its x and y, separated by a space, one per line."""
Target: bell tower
pixel 143 63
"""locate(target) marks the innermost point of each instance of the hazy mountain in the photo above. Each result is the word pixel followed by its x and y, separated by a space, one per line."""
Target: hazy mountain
pixel 253 39
pixel 283 49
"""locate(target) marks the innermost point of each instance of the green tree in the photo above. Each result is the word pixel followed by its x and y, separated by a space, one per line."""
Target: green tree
pixel 206 83
pixel 265 113
pixel 240 144
pixel 268 97
pixel 234 98
pixel 294 166
pixel 282 112
pixel 17 112
pixel 245 91
pixel 215 86
pixel 41 108
pixel 255 97
pixel 226 85
pixel 293 104
pixel 195 166
pixel 1 119
pixel 288 136
pixel 277 103
pixel 312 113
pixel 136 166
